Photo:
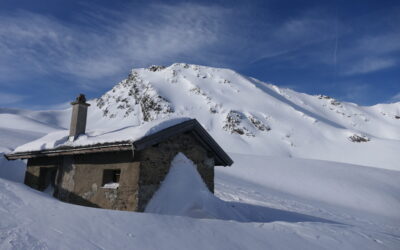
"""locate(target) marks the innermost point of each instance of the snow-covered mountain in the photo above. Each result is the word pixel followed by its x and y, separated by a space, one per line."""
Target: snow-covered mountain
pixel 252 117
pixel 248 116
pixel 302 176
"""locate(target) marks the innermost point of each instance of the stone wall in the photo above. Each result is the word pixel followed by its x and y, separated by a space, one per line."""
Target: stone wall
pixel 156 160
pixel 81 180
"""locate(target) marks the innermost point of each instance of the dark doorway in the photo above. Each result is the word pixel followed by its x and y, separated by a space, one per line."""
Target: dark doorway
pixel 47 178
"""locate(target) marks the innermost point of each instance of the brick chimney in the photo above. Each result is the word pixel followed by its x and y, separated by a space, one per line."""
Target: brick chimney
pixel 78 119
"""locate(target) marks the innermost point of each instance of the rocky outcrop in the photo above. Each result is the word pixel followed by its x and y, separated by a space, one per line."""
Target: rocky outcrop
pixel 359 138
pixel 134 94
pixel 237 122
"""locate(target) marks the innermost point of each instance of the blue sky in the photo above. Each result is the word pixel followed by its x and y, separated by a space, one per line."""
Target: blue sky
pixel 51 50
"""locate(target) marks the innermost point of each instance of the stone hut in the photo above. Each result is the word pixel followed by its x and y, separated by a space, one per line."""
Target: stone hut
pixel 119 169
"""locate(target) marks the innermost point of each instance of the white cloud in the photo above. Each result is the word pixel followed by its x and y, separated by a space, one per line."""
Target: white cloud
pixel 380 44
pixel 113 42
pixel 105 43
pixel 36 44
pixel 355 92
pixel 7 98
pixel 368 65
pixel 371 53
pixel 348 49
pixel 283 39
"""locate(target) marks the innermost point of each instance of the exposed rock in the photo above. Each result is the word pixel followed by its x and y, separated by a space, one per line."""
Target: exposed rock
pixel 152 106
pixel 359 138
pixel 131 94
pixel 258 124
pixel 233 123
pixel 196 90
pixel 213 107
pixel 324 97
pixel 213 110
pixel 333 101
pixel 155 68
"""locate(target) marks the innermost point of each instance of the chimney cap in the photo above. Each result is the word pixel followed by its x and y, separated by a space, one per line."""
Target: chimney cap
pixel 81 99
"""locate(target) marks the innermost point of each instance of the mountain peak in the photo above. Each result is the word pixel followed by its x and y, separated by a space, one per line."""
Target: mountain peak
pixel 248 114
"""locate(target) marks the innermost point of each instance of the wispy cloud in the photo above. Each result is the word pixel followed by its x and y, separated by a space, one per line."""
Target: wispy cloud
pixel 395 98
pixel 311 39
pixel 96 45
pixel 108 43
pixel 355 92
pixel 292 35
pixel 369 54
pixel 368 65
pixel 8 98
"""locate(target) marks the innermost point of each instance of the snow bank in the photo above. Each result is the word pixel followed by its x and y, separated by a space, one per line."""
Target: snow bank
pixel 184 193
pixel 359 192
pixel 34 220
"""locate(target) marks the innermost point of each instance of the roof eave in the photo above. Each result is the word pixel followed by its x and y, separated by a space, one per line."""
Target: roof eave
pixel 110 147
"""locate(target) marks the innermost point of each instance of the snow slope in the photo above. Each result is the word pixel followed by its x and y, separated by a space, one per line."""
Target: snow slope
pixel 298 181
pixel 344 193
pixel 21 126
pixel 251 117
pixel 269 219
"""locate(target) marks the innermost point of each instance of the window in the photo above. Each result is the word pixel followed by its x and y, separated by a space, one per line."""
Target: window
pixel 111 178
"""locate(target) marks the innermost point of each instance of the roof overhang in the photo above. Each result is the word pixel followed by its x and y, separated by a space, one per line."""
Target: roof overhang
pixel 108 147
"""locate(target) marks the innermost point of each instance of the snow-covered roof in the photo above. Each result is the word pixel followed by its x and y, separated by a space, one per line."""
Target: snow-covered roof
pixel 60 139
pixel 127 138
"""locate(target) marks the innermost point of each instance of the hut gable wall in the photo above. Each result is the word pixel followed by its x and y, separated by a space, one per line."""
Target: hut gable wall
pixel 156 160
pixel 88 176
pixel 79 180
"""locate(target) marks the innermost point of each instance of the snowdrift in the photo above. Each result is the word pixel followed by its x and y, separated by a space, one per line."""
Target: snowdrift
pixel 34 220
pixel 184 193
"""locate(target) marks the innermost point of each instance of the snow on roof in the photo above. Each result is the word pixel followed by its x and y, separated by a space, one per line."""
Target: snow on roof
pixel 60 139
